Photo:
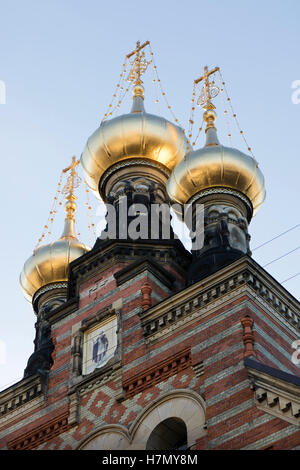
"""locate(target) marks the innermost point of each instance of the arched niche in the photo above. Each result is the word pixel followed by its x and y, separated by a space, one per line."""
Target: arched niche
pixel 185 405
pixel 107 438
pixel 169 434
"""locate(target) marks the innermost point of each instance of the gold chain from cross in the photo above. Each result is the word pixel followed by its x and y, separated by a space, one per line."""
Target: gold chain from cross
pixel 139 65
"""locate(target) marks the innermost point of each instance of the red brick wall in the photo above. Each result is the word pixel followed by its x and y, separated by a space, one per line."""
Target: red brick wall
pixel 215 339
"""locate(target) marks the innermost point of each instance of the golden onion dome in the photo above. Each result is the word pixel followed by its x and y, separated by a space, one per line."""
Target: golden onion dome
pixel 137 135
pixel 216 166
pixel 49 264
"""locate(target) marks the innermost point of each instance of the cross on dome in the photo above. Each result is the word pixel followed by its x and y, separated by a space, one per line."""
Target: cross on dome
pixel 139 65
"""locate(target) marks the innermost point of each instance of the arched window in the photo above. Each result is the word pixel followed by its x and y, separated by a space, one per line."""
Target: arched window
pixel 169 434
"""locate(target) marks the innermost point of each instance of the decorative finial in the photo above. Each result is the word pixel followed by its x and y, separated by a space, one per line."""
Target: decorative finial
pixel 208 92
pixel 138 67
pixel 146 296
pixel 73 181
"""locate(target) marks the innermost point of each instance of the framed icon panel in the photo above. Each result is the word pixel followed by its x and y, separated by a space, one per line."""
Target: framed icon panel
pixel 100 344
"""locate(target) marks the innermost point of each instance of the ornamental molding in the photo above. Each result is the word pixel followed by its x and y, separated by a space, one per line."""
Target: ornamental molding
pixel 98 317
pixel 133 162
pixel 20 398
pixel 19 412
pixel 99 378
pixel 275 396
pixel 232 192
pixel 56 285
pixel 157 373
pixel 244 276
pixel 186 315
pixel 41 434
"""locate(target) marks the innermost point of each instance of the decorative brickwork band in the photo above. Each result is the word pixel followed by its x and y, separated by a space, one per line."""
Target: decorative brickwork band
pixel 157 373
pixel 146 296
pixel 248 336
pixel 41 434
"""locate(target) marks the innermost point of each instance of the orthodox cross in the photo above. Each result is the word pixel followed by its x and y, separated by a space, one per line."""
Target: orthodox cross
pixel 139 65
pixel 73 180
pixel 209 91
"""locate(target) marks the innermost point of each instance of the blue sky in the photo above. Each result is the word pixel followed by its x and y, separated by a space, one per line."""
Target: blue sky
pixel 60 61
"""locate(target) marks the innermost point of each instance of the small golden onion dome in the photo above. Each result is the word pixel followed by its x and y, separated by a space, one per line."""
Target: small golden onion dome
pixel 216 166
pixel 50 263
pixel 130 136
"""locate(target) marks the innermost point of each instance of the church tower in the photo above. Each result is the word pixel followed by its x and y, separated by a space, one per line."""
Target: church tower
pixel 141 344
pixel 229 185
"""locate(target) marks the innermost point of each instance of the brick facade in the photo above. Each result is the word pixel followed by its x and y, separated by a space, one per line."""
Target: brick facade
pixel 180 348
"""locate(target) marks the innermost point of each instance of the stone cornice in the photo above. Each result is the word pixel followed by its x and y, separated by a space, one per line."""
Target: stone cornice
pixel 18 395
pixel 96 318
pixel 242 275
pixel 184 317
pixel 275 392
pixel 96 379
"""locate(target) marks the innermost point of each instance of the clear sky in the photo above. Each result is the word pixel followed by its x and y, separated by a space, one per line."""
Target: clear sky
pixel 60 61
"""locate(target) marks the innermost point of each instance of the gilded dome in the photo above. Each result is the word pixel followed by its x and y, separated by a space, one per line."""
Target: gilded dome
pixel 137 135
pixel 216 166
pixel 49 264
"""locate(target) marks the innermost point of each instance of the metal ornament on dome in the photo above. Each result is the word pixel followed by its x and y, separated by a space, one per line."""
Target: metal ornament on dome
pixel 139 65
pixel 73 180
pixel 209 90
pixel 138 68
